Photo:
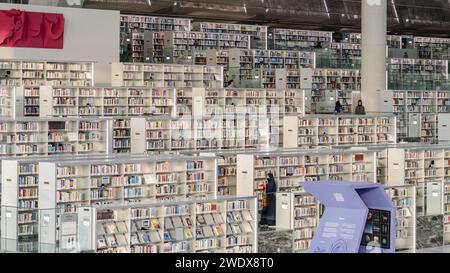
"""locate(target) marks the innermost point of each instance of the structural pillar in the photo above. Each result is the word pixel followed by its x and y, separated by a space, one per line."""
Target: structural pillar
pixel 374 53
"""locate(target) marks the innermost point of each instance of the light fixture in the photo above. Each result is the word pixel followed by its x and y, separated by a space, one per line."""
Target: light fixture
pixel 245 8
pixel 149 2
pixel 128 39
pixel 267 10
pixel 175 3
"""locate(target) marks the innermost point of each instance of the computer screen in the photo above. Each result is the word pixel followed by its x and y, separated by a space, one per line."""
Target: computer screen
pixel 377 229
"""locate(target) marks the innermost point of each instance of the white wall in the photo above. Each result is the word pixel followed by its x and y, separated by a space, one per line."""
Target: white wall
pixel 89 35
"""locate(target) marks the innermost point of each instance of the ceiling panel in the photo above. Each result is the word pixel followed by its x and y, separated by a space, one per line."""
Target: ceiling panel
pixel 420 17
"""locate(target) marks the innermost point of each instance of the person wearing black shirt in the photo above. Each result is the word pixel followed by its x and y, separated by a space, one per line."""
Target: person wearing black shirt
pixel 268 216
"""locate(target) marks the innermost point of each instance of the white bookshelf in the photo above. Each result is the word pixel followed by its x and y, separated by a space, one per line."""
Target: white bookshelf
pixel 19 202
pixel 291 167
pixel 47 101
pixel 210 225
pixel 295 39
pixel 52 136
pixel 166 75
pixel 7 102
pixel 125 179
pixel 177 46
pixel 329 130
pixel 331 85
pixel 418 112
pixel 133 28
pixel 447 209
pixel 403 199
pixel 36 73
pixel 299 212
pixel 257 33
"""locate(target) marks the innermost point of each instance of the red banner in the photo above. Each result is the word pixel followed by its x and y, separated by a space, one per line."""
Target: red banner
pixel 20 28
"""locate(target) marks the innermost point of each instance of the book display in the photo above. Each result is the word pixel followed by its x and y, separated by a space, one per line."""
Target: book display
pixel 36 73
pixel 211 225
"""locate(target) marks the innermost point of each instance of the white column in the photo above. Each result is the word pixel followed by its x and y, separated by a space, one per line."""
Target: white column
pixel 374 51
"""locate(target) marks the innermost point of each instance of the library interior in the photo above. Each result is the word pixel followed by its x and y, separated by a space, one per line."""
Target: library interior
pixel 255 126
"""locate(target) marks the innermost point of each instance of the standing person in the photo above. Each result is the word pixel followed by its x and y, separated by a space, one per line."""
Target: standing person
pixel 229 84
pixel 268 215
pixel 338 107
pixel 360 110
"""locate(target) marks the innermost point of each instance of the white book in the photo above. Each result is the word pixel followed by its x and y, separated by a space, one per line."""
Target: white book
pixel 209 219
pixel 247 215
pixel 179 234
pixel 177 222
pixel 135 239
pixel 207 231
pixel 122 227
pixel 218 218
pixel 246 227
pixel 154 236
pixel 100 230
pixel 111 240
pixel 121 240
pixel 110 228
pixel 101 242
pixel 168 223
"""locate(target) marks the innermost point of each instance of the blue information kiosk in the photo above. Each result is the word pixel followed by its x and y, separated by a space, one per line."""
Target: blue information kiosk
pixel 358 217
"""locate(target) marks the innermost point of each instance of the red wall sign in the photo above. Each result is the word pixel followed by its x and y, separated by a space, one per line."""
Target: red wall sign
pixel 20 28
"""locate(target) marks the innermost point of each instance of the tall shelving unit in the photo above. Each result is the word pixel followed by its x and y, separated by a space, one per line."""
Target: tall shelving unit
pixel 133 27
pixel 166 75
pixel 36 73
pixel 258 34
pixel 178 46
pixel 329 130
pixel 403 200
pixel 417 113
pixel 47 136
pixel 295 39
